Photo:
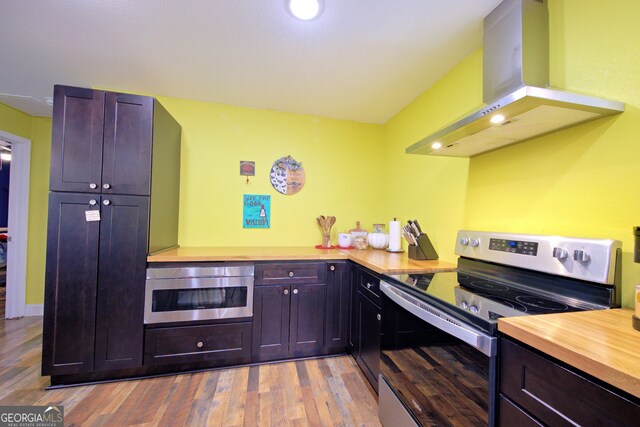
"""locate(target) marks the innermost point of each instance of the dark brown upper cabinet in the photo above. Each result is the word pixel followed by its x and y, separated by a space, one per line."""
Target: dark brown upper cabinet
pixel 101 142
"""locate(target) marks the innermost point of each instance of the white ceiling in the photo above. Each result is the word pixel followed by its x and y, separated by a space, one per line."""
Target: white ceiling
pixel 359 60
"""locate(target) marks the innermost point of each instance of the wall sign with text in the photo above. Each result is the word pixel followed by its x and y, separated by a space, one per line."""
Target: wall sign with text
pixel 256 212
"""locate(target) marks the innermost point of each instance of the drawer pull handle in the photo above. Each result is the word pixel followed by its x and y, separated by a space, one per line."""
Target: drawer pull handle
pixel 291 274
pixel 106 186
pixel 332 268
pixel 93 186
pixel 295 291
pixel 199 344
pixel 378 317
pixel 369 285
pixel 286 291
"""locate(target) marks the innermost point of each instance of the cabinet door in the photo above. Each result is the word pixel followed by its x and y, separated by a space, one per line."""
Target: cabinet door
pixel 76 139
pixel 270 333
pixel 128 132
pixel 369 355
pixel 121 281
pixel 338 306
pixel 354 321
pixel 70 285
pixel 308 312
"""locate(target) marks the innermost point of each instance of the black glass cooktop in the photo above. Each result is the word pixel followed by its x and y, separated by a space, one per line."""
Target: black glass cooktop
pixel 481 299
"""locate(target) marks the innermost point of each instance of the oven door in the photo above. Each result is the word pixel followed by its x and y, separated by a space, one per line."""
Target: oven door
pixel 179 300
pixel 435 370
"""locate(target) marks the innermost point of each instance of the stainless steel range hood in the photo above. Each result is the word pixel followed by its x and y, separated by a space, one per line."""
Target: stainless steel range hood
pixel 515 87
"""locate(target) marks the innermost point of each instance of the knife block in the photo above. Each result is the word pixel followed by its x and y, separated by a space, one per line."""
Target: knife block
pixel 424 250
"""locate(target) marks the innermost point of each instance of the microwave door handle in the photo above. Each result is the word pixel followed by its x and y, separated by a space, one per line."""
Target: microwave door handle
pixel 485 343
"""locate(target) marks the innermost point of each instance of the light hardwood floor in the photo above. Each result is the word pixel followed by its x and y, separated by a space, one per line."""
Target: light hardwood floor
pixel 319 392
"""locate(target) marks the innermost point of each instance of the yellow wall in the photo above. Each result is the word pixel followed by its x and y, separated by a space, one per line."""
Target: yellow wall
pixel 14 121
pixel 342 161
pixel 583 181
pixel 431 189
pixel 38 206
pixel 38 130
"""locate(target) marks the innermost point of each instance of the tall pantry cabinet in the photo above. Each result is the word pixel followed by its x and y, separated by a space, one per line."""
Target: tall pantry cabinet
pixel 114 188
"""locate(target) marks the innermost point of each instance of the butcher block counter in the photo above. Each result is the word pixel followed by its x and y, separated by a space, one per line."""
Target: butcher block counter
pixel 379 261
pixel 601 343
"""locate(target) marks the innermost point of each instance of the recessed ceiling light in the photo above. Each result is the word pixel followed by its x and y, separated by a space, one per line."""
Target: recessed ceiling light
pixel 436 145
pixel 304 9
pixel 498 118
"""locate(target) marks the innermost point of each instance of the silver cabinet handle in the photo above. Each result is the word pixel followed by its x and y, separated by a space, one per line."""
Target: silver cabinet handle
pixel 92 202
pixel 106 186
pixel 291 274
pixel 332 268
pixel 199 344
pixel 378 316
pixel 369 285
pixel 106 202
pixel 93 186
pixel 295 291
pixel 286 291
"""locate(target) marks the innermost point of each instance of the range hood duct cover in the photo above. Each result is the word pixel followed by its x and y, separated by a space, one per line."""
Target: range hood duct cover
pixel 515 85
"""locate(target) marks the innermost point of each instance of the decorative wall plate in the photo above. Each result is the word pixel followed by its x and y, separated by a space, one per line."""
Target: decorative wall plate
pixel 287 176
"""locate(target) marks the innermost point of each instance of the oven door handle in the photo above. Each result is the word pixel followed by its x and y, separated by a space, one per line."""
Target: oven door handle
pixel 487 344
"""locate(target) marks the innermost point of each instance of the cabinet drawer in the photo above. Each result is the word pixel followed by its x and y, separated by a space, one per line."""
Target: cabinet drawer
pixel 290 273
pixel 229 341
pixel 511 415
pixel 556 395
pixel 370 286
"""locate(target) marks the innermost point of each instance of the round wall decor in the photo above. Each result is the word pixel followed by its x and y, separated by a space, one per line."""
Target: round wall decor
pixel 287 176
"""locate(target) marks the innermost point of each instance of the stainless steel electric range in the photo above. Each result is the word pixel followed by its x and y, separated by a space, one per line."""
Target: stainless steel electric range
pixel 439 331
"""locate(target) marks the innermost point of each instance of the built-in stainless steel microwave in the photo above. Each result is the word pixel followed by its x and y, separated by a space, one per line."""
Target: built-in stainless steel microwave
pixel 198 293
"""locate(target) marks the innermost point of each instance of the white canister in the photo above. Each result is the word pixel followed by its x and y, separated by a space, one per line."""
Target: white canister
pixel 344 240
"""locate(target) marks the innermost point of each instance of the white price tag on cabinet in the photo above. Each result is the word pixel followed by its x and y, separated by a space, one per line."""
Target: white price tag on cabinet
pixel 92 215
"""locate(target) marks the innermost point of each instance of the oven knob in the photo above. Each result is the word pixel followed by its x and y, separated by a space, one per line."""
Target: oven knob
pixel 474 242
pixel 464 304
pixel 464 241
pixel 560 253
pixel 581 256
pixel 199 344
pixel 473 309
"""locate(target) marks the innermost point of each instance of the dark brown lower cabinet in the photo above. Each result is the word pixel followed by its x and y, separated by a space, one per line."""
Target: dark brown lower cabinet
pixel 536 389
pixel 94 284
pixel 365 324
pixel 70 286
pixel 121 277
pixel 338 306
pixel 288 321
pixel 271 322
pixel 368 356
pixel 228 342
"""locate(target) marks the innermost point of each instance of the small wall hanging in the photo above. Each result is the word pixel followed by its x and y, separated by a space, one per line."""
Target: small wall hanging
pixel 247 168
pixel 287 176
pixel 256 211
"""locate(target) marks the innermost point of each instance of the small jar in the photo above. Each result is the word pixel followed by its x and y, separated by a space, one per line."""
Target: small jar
pixel 360 240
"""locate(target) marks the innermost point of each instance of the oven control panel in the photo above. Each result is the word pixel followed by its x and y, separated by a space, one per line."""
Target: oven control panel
pixel 514 246
pixel 585 259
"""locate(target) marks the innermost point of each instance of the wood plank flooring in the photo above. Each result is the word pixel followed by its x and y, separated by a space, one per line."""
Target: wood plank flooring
pixel 319 392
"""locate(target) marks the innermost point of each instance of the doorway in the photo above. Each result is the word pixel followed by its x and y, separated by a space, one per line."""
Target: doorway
pixel 5 170
pixel 17 223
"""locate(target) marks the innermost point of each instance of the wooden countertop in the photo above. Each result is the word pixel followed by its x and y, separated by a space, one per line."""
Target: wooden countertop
pixel 377 260
pixel 395 263
pixel 601 343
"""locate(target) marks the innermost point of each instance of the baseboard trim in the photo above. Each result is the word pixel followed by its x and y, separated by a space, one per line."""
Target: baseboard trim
pixel 34 310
